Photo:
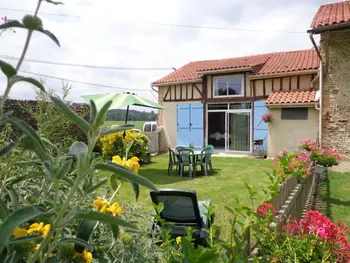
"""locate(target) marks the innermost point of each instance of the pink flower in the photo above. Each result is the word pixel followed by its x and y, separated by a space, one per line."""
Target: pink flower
pixel 266 209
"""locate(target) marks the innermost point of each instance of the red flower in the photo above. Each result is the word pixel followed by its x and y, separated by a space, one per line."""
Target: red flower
pixel 266 209
pixel 4 19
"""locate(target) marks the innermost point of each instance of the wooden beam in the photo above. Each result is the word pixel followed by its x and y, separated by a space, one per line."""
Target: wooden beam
pixel 212 86
pixel 264 88
pixel 181 92
pixel 290 83
pixel 166 94
pixel 175 91
pixel 192 97
pixel 177 100
pixel 186 91
pixel 200 93
pixel 281 84
pixel 236 99
pixel 273 84
pixel 298 82
pixel 253 95
pixel 170 92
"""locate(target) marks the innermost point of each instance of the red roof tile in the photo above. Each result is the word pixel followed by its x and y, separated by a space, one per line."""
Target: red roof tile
pixel 271 63
pixel 289 97
pixel 331 14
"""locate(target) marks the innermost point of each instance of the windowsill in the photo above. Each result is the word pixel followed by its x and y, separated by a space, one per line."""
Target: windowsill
pixel 229 96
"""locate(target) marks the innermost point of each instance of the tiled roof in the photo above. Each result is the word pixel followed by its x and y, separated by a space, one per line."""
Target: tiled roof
pixel 270 63
pixel 331 14
pixel 289 97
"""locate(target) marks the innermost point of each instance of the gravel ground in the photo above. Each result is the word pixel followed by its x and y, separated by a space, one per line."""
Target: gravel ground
pixel 343 167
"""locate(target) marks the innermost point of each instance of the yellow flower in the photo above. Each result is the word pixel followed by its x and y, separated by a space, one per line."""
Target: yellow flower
pixel 41 229
pixel 100 202
pixel 115 209
pixel 178 240
pixel 163 244
pixel 104 209
pixel 132 163
pixel 20 232
pixel 38 246
pixel 121 232
pixel 86 256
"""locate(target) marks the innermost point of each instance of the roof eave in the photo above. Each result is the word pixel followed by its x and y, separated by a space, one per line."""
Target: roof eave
pixel 176 82
pixel 333 27
pixel 231 70
pixel 290 105
pixel 282 74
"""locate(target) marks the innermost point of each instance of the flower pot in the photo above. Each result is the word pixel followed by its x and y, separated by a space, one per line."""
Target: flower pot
pixel 321 170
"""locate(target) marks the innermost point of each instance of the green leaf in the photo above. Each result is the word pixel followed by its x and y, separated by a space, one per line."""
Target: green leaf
pixel 7 149
pixel 25 238
pixel 7 69
pixel 114 182
pixel 103 218
pixel 17 78
pixel 50 35
pixel 84 232
pixel 11 23
pixel 126 173
pixel 13 196
pixel 117 129
pixel 96 186
pixel 33 137
pixel 115 231
pixel 17 218
pixel 76 241
pixel 3 210
pixel 101 116
pixel 136 189
pixel 71 114
pixel 64 169
pixel 93 111
pixel 18 179
pixel 54 2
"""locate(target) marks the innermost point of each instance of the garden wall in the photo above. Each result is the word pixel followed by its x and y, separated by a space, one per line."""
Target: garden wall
pixel 18 111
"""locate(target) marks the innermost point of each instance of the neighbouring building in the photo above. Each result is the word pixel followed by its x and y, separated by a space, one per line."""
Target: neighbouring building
pixel 221 102
pixel 332 22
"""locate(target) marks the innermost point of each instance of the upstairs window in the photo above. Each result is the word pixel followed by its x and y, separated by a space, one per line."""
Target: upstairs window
pixel 294 114
pixel 227 86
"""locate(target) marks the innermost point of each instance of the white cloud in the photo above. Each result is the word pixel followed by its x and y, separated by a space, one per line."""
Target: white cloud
pixel 118 33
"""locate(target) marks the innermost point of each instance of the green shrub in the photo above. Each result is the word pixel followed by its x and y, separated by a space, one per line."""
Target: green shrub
pixel 112 145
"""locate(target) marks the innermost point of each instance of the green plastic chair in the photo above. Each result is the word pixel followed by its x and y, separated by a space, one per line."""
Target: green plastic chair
pixel 173 161
pixel 187 158
pixel 204 160
pixel 211 147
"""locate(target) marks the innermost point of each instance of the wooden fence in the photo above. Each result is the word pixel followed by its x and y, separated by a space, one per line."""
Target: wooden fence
pixel 294 199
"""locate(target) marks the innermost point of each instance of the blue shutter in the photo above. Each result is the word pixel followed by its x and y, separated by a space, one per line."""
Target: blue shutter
pixel 260 127
pixel 190 125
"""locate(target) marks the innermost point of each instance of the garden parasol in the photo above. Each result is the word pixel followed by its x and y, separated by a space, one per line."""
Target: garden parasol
pixel 121 100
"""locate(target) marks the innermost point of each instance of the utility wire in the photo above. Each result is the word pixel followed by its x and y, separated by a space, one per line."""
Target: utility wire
pixel 80 65
pixel 173 25
pixel 81 82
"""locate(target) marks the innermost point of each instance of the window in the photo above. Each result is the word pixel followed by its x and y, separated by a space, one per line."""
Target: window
pixel 294 114
pixel 239 106
pixel 217 106
pixel 228 86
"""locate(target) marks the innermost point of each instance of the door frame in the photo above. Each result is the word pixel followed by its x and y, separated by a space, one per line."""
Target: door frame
pixel 251 111
pixel 227 125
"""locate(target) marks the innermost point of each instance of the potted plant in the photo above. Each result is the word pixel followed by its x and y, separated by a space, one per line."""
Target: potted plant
pixel 267 117
pixel 324 159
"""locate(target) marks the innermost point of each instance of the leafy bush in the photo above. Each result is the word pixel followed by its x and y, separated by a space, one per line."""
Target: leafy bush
pixel 112 145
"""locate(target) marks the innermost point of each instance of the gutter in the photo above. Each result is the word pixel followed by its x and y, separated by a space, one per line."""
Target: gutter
pixel 292 105
pixel 320 74
pixel 329 28
pixel 283 74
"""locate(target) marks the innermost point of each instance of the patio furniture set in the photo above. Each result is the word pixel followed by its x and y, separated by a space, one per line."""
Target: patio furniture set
pixel 182 157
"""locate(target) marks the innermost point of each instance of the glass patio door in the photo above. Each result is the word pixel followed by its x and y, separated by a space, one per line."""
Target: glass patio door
pixel 238 131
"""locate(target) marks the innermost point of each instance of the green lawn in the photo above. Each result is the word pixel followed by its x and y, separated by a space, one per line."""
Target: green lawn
pixel 138 124
pixel 335 194
pixel 226 184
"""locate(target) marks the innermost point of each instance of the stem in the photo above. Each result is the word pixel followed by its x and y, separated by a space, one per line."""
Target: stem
pixel 25 49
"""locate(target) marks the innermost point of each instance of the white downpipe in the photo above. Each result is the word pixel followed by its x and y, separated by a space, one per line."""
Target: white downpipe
pixel 321 106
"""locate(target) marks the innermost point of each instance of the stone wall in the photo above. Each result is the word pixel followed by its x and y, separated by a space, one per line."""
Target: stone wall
pixel 335 49
pixel 17 107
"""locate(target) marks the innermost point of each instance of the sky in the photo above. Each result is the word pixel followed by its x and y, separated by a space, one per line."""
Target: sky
pixel 125 34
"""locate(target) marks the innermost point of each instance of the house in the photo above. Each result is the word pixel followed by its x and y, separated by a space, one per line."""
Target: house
pixel 221 102
pixel 332 23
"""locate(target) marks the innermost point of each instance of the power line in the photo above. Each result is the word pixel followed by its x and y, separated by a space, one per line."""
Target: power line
pixel 173 25
pixel 80 65
pixel 81 82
